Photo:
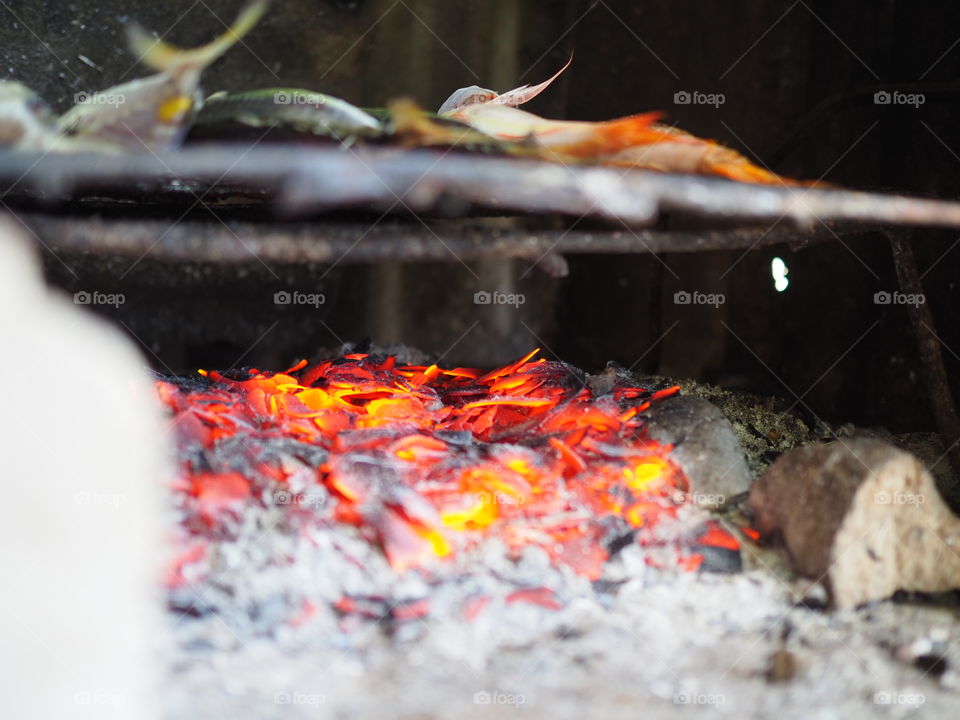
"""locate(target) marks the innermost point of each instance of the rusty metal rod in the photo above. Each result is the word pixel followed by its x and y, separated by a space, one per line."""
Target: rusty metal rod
pixel 365 242
pixel 305 181
pixel 931 357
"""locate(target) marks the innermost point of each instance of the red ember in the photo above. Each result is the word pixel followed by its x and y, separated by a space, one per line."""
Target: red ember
pixel 426 461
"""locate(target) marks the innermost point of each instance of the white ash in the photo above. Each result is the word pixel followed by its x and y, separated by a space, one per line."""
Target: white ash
pixel 645 641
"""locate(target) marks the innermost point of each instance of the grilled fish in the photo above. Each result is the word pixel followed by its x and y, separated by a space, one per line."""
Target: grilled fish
pixel 155 113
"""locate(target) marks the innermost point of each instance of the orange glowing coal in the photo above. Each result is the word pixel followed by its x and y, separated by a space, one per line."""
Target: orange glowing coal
pixel 427 461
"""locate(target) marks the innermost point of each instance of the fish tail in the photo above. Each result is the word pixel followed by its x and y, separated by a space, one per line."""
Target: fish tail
pixel 723 161
pixel 626 132
pixel 749 173
pixel 610 137
pixel 165 57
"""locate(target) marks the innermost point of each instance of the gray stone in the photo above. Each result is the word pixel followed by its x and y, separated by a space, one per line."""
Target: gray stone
pixel 862 516
pixel 705 448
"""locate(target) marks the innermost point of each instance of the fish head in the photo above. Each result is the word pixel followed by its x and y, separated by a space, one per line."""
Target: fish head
pixel 155 112
pixel 25 119
pixel 150 114
pixel 473 95
pixel 14 95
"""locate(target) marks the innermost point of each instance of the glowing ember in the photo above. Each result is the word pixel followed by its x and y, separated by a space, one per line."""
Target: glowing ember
pixel 426 461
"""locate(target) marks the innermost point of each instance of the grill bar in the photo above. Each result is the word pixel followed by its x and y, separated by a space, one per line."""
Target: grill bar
pixel 301 182
pixel 391 240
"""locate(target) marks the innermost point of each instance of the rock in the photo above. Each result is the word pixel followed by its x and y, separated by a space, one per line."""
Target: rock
pixel 861 515
pixel 783 666
pixel 80 523
pixel 705 448
pixel 928 653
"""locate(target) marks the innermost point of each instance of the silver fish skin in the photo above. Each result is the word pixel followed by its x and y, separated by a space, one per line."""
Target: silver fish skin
pixel 154 113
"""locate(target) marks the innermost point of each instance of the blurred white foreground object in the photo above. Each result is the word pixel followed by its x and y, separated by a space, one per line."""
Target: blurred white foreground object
pixel 81 467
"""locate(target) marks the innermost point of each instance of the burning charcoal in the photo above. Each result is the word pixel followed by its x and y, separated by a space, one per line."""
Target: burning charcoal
pixel 373 492
pixel 862 515
pixel 720 559
pixel 544 597
pixel 619 539
pixel 217 494
pixel 421 459
pixel 281 447
pixel 705 448
pixel 464 438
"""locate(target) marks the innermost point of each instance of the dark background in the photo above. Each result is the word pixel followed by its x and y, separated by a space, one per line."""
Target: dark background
pixel 798 80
